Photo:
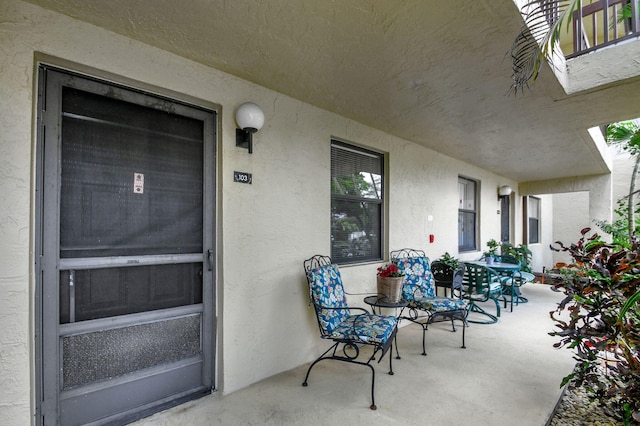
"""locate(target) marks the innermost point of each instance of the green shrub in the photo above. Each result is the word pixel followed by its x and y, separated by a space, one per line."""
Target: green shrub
pixel 520 252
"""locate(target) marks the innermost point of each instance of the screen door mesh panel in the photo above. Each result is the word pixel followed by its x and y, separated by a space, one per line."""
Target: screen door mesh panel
pixel 106 292
pixel 131 179
pixel 87 358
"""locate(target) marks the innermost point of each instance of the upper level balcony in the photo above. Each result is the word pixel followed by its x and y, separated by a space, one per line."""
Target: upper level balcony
pixel 601 23
pixel 596 44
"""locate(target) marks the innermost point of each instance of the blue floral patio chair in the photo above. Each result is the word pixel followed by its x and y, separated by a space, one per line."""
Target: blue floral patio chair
pixel 425 307
pixel 348 327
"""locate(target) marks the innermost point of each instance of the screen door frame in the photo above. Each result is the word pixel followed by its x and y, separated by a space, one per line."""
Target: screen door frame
pixel 47 241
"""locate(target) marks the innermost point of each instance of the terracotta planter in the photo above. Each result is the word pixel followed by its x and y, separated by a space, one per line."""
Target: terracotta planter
pixel 391 288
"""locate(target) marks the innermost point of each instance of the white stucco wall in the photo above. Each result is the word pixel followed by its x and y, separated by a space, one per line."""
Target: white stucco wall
pixel 570 215
pixel 266 229
pixel 571 211
pixel 622 170
pixel 598 189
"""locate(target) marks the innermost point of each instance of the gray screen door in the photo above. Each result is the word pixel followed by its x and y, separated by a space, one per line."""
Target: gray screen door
pixel 126 214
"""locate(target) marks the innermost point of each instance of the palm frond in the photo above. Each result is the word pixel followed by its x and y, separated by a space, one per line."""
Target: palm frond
pixel 538 38
pixel 619 133
pixel 625 133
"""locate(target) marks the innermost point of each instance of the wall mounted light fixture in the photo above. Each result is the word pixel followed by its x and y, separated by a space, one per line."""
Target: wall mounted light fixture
pixel 250 119
pixel 504 191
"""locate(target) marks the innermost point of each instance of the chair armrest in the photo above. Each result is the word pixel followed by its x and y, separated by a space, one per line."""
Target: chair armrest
pixel 351 308
pixel 358 308
pixel 342 308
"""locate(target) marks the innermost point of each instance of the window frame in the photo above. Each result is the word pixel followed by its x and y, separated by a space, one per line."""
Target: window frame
pixel 533 222
pixel 377 251
pixel 462 247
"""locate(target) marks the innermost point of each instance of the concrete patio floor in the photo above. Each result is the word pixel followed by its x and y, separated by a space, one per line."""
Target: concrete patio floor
pixel 508 374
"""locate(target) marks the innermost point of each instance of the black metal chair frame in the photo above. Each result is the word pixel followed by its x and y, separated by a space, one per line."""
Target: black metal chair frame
pixel 350 347
pixel 443 277
pixel 424 317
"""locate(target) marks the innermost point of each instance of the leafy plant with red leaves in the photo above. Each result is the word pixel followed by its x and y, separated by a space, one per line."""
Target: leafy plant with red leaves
pixel 602 288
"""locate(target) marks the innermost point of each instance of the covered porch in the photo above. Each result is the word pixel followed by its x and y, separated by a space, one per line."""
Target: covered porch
pixel 422 85
pixel 509 374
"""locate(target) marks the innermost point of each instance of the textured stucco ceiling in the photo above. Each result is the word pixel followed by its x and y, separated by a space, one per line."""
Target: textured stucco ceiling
pixel 436 73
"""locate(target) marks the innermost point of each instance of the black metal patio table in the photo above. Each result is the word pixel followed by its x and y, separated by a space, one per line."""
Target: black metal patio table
pixel 380 301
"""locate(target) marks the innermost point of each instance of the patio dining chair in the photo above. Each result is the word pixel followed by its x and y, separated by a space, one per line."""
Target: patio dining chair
pixel 349 328
pixel 482 284
pixel 419 291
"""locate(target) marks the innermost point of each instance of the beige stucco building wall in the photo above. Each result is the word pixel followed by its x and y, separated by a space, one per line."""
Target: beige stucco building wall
pixel 571 210
pixel 597 193
pixel 570 215
pixel 623 165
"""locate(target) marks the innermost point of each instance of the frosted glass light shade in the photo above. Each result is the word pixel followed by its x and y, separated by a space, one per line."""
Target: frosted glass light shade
pixel 504 190
pixel 250 116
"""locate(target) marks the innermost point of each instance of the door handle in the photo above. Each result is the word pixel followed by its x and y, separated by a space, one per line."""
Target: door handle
pixel 210 259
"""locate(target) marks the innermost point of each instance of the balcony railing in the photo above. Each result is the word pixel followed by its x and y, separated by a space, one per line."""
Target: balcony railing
pixel 604 22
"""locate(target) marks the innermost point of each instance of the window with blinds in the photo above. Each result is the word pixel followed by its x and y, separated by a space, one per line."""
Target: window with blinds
pixel 357 200
pixel 467 214
pixel 533 208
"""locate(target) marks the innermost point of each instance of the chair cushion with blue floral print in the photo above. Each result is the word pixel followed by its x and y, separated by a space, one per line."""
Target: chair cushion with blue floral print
pixel 327 292
pixel 418 280
pixel 366 328
pixel 419 288
pixel 439 304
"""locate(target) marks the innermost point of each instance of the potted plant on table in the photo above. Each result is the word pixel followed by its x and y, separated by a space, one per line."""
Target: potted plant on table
pixel 492 252
pixel 390 281
pixel 520 252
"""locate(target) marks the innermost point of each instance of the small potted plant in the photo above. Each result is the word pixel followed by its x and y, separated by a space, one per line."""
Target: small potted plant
pixel 492 252
pixel 450 261
pixel 443 270
pixel 390 281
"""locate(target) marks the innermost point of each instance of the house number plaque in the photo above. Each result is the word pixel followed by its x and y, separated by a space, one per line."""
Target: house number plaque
pixel 242 177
